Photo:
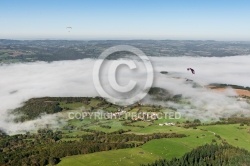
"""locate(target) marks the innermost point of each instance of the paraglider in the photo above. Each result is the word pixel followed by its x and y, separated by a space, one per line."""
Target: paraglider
pixel 69 28
pixel 192 70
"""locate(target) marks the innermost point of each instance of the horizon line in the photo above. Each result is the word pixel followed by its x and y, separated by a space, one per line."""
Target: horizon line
pixel 59 39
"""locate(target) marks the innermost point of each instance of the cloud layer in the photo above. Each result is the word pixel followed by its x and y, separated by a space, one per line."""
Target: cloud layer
pixel 20 82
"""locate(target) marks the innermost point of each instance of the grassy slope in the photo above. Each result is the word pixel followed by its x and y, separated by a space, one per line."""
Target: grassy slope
pixel 231 133
pixel 163 148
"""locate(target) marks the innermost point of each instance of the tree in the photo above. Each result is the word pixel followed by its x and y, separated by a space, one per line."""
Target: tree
pixel 197 121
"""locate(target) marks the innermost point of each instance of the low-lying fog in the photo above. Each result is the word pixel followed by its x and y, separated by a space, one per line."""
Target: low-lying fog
pixel 20 82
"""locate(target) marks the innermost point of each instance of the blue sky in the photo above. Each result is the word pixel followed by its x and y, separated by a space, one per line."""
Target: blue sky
pixel 127 19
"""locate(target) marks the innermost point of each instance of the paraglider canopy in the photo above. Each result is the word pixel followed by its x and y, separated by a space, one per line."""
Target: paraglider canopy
pixel 192 70
pixel 68 28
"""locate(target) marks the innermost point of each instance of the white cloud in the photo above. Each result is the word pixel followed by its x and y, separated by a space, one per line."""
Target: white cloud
pixel 20 82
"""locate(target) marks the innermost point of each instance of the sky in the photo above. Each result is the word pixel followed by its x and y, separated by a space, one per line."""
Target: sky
pixel 128 19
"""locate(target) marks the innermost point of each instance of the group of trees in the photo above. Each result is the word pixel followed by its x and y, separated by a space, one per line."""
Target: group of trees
pixel 34 108
pixel 233 120
pixel 47 147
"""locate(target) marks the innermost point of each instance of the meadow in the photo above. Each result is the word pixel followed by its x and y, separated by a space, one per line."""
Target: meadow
pixel 167 147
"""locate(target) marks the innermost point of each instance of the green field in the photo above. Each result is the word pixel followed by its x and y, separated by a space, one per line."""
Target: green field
pixel 164 148
pixel 234 134
pixel 155 149
pixel 103 133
